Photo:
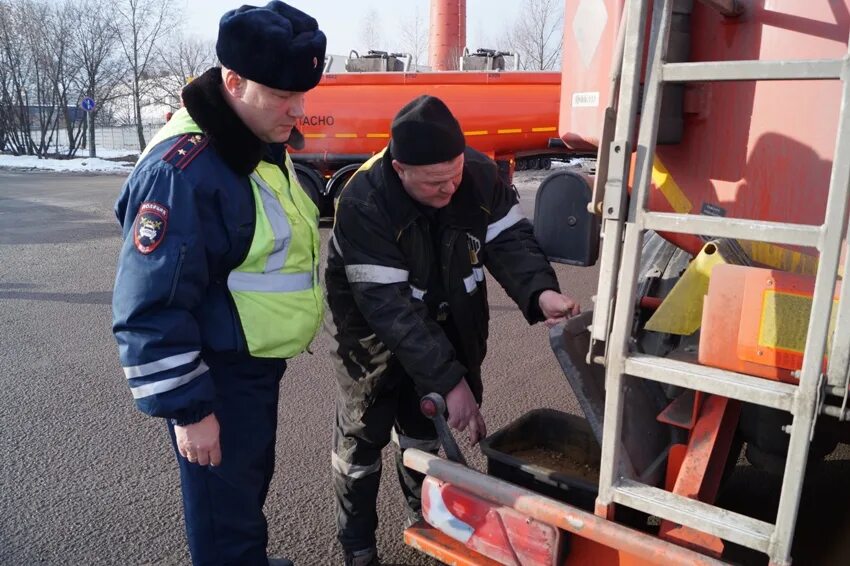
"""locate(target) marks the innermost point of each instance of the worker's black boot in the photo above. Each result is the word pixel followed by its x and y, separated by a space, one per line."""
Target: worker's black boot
pixel 280 562
pixel 365 557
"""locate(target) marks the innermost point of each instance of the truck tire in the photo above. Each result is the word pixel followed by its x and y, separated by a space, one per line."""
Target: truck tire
pixel 311 182
pixel 335 185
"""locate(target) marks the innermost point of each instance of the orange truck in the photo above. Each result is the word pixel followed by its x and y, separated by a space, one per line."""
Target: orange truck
pixel 719 344
pixel 507 115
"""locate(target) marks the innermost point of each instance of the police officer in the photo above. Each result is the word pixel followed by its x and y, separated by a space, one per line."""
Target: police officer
pixel 217 280
pixel 415 227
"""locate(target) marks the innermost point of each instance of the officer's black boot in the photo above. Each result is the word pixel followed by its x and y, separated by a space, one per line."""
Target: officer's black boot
pixel 365 557
pixel 280 562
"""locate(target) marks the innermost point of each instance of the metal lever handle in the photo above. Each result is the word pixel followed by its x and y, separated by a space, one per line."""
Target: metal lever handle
pixel 433 406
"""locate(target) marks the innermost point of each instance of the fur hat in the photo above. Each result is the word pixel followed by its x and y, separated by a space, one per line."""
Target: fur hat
pixel 276 45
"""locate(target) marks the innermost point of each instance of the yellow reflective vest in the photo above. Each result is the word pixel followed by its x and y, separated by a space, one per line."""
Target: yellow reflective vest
pixel 276 288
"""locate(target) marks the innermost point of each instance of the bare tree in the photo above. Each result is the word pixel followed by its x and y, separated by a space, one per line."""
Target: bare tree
pixel 13 76
pixel 181 61
pixel 95 46
pixel 370 30
pixel 414 37
pixel 142 25
pixel 34 46
pixel 65 73
pixel 538 35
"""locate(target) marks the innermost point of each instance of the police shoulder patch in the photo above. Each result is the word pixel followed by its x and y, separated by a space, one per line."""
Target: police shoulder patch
pixel 150 226
pixel 185 149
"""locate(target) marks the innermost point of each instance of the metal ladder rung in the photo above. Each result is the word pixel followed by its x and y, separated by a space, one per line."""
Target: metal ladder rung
pixel 727 525
pixel 736 228
pixel 712 380
pixel 814 69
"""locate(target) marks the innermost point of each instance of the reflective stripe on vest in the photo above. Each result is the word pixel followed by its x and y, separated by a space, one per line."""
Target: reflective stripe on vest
pixel 271 280
pixel 276 288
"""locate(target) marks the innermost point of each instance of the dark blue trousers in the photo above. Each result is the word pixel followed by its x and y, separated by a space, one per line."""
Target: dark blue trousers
pixel 223 505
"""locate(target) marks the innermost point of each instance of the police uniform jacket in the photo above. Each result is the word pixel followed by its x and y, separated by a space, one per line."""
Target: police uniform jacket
pixel 410 279
pixel 171 303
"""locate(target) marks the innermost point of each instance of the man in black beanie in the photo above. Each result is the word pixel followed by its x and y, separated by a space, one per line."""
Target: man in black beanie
pixel 216 285
pixel 414 229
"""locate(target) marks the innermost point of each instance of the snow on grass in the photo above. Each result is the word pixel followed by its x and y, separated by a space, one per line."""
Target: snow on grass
pixel 79 164
pixel 101 152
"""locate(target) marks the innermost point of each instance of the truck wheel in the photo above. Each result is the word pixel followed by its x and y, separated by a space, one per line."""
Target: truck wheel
pixel 336 184
pixel 311 182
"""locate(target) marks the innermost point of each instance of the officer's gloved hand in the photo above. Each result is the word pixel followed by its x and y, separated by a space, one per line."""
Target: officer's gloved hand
pixel 463 412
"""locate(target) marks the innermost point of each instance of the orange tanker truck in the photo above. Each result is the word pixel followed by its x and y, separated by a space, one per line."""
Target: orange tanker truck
pixel 718 351
pixel 506 115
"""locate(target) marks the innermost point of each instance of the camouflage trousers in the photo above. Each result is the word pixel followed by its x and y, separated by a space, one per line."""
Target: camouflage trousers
pixel 375 404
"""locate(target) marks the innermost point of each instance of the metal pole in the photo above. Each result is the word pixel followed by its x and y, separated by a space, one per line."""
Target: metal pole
pixel 613 209
pixel 808 396
pixel 624 307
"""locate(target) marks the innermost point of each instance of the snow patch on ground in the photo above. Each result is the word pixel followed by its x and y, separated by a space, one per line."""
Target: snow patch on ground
pixel 572 162
pixel 105 153
pixel 77 165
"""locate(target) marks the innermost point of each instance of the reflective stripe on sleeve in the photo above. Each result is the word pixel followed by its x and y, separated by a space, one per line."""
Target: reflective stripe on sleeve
pixel 513 216
pixel 366 273
pixel 166 385
pixel 353 471
pixel 470 284
pixel 269 282
pixel 478 273
pixel 163 364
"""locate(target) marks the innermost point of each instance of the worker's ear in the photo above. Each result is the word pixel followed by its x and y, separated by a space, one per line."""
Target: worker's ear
pixel 234 84
pixel 397 166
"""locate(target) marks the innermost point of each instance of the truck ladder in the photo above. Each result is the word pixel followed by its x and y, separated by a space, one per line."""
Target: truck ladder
pixel 620 267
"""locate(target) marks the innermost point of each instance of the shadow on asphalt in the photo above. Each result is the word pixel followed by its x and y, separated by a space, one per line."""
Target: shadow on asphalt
pixel 91 298
pixel 49 224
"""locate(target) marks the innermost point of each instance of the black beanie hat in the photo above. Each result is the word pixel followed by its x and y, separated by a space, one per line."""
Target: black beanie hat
pixel 425 132
pixel 277 46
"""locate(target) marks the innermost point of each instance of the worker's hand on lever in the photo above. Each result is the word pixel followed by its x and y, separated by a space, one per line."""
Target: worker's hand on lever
pixel 463 412
pixel 199 442
pixel 557 307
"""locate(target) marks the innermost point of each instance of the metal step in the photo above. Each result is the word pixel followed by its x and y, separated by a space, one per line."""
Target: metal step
pixel 813 69
pixel 727 525
pixel 734 228
pixel 712 380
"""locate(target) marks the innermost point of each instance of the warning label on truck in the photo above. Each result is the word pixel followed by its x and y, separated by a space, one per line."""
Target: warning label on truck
pixel 585 99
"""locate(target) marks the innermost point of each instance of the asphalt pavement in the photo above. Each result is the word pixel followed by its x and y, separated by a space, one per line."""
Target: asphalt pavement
pixel 88 479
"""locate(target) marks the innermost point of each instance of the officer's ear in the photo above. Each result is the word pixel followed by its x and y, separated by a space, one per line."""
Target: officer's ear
pixel 233 82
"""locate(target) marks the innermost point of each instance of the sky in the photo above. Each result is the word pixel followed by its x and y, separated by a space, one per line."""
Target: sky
pixel 342 20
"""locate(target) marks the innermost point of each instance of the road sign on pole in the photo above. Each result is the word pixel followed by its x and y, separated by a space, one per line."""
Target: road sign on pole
pixel 87 104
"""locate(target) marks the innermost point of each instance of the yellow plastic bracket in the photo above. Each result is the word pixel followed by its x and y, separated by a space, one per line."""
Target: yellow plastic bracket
pixel 681 311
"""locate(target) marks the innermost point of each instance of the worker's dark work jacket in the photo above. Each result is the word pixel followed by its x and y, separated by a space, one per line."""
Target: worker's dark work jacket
pixel 220 256
pixel 388 253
